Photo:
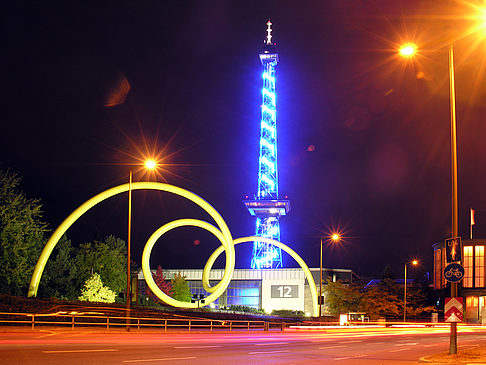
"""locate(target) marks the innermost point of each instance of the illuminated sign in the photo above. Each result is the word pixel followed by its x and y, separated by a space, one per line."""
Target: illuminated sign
pixel 284 291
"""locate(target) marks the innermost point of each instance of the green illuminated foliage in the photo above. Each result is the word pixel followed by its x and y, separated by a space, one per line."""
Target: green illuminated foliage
pixel 95 291
pixel 180 288
pixel 21 235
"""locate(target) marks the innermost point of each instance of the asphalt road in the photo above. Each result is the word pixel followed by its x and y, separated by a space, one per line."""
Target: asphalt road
pixel 334 346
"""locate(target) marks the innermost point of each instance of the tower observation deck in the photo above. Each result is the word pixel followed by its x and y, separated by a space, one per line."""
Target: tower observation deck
pixel 266 205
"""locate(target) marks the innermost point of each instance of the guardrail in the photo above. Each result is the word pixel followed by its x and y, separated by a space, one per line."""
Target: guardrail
pixel 76 320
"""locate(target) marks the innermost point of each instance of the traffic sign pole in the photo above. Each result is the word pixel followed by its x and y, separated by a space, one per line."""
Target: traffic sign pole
pixel 453 336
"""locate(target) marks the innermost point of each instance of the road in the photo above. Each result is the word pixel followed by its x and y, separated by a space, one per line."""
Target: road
pixel 333 346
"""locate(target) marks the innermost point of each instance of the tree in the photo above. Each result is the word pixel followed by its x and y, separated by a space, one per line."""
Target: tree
pixel 107 258
pixel 180 288
pixel 162 283
pixel 343 298
pixel 21 235
pixel 380 302
pixel 58 280
pixel 95 291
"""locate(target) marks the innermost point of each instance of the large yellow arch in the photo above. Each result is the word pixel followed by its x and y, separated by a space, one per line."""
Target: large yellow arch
pixel 225 233
pixel 303 265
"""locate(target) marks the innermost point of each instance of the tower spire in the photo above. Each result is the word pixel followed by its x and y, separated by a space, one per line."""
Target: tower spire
pixel 266 205
pixel 269 33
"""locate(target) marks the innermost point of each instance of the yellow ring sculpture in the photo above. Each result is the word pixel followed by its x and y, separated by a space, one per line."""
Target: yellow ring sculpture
pixel 224 231
pixel 223 234
pixel 300 261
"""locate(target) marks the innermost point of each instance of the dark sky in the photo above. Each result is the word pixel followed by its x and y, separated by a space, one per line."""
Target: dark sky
pixel 363 135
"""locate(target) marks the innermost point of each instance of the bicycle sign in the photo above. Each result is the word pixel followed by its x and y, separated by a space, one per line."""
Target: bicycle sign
pixel 454 272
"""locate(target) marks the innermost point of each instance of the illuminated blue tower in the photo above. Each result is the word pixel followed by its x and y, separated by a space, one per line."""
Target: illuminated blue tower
pixel 266 206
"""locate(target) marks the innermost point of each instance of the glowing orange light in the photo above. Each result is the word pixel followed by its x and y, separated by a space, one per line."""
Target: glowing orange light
pixel 408 50
pixel 150 164
pixel 336 237
pixel 414 262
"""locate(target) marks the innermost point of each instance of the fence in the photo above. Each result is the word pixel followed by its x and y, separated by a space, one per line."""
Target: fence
pixel 76 320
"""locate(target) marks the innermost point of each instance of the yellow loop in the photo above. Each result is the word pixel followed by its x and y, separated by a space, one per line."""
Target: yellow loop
pixel 303 265
pixel 217 290
pixel 74 216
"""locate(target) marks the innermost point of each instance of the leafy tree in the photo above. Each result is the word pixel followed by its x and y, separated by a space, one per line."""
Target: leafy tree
pixel 21 235
pixel 107 258
pixel 95 291
pixel 343 298
pixel 378 302
pixel 58 280
pixel 162 283
pixel 180 288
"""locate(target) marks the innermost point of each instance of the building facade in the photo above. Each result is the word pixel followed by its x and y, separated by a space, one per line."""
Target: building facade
pixel 267 289
pixel 472 286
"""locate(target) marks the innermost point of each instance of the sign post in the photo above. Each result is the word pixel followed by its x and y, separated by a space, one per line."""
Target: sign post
pixel 453 274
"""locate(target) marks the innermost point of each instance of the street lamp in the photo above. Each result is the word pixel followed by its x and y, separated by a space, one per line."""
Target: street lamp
pixel 335 237
pixel 149 165
pixel 414 263
pixel 452 101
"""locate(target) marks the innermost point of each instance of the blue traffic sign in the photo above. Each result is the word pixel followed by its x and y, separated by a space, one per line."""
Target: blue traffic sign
pixel 454 272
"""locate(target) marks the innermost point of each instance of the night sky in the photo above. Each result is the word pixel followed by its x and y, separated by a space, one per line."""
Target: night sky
pixel 363 135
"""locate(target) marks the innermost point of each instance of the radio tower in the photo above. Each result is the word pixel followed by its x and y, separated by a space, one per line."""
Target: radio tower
pixel 266 206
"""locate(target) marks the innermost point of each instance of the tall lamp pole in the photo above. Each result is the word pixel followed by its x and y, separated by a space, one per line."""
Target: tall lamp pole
pixel 335 237
pixel 320 285
pixel 149 165
pixel 414 262
pixel 407 51
pixel 128 295
pixel 452 100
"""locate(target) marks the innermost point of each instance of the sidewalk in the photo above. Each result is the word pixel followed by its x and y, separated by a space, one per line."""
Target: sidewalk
pixel 475 355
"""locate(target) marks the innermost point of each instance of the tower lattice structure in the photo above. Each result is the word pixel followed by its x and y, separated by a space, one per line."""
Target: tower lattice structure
pixel 266 206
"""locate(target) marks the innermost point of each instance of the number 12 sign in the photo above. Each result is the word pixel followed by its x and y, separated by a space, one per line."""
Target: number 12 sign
pixel 284 291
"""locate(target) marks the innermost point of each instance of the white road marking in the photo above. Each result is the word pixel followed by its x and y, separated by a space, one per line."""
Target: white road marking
pixel 70 351
pixel 408 348
pixel 269 344
pixel 349 357
pixel 406 344
pixel 351 341
pixel 434 344
pixel 163 359
pixel 267 352
pixel 331 347
pixel 196 347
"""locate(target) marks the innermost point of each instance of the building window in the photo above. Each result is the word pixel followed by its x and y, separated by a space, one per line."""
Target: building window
pixel 467 282
pixel 472 302
pixel 479 266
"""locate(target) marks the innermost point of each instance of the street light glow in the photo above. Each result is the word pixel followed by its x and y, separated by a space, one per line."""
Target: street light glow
pixel 414 262
pixel 150 164
pixel 408 50
pixel 336 237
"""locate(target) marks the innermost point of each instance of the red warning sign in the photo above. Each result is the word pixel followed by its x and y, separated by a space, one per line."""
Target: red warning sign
pixel 453 310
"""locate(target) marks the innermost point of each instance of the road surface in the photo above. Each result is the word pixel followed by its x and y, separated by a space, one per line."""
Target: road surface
pixel 333 346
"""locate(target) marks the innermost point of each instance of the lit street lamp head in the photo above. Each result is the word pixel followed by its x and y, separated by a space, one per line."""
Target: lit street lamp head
pixel 335 237
pixel 408 50
pixel 150 164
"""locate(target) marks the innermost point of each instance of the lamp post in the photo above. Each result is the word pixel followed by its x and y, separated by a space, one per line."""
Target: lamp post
pixel 414 262
pixel 149 165
pixel 409 50
pixel 335 237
